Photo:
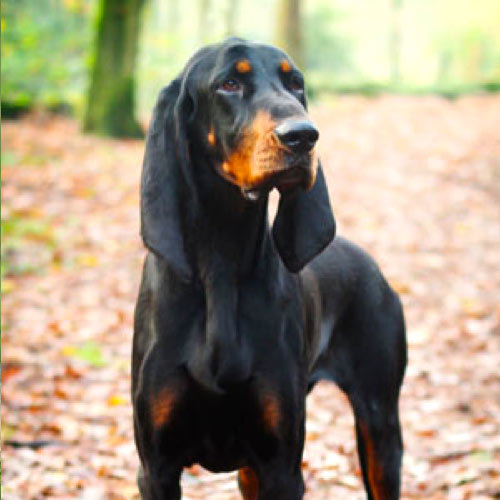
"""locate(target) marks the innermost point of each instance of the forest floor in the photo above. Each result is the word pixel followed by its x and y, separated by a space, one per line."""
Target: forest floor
pixel 415 181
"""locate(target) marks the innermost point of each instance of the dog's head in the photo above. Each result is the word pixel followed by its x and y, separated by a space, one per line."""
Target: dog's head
pixel 256 120
pixel 239 108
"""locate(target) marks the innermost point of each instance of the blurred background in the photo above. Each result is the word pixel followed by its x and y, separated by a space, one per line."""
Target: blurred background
pixel 405 95
pixel 52 50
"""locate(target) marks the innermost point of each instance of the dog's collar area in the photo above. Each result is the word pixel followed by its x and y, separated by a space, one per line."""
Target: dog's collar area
pixel 253 194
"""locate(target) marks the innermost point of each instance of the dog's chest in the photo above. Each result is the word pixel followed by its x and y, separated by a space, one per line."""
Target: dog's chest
pixel 221 431
pixel 251 313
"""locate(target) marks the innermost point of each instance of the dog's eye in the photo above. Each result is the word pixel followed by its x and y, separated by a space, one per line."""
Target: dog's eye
pixel 230 85
pixel 296 85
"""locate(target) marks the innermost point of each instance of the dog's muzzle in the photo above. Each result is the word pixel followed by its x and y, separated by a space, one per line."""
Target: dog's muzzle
pixel 298 136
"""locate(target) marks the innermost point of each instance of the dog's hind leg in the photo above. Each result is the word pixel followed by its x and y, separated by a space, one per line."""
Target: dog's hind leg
pixel 367 358
pixel 380 450
pixel 377 355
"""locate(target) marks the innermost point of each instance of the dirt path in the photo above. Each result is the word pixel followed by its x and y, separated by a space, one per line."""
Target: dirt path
pixel 415 181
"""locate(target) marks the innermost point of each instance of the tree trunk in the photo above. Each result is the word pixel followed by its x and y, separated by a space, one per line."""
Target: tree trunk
pixel 111 97
pixel 288 29
pixel 395 40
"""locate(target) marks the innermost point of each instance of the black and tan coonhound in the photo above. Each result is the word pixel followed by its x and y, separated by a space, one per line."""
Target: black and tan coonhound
pixel 235 322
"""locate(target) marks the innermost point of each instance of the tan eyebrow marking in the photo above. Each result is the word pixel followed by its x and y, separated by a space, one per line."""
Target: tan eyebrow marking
pixel 243 66
pixel 285 66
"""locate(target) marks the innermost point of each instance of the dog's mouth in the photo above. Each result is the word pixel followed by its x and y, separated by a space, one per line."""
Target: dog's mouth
pixel 284 180
pixel 300 172
pixel 261 161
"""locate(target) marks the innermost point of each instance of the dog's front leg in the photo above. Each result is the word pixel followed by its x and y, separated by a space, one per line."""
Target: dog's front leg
pixel 279 477
pixel 279 480
pixel 161 483
pixel 159 431
pixel 158 477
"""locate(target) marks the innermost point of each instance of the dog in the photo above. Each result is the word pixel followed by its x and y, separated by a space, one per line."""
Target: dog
pixel 235 321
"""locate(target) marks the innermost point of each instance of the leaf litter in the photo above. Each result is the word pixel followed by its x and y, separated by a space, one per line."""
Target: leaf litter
pixel 415 181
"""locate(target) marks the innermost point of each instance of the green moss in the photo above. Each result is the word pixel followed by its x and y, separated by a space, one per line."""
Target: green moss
pixel 111 99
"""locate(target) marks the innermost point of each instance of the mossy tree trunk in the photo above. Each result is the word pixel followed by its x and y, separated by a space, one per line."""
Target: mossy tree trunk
pixel 111 97
pixel 289 30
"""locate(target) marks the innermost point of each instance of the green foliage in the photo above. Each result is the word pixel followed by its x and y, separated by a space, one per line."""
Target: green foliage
pixel 89 352
pixel 326 49
pixel 10 158
pixel 322 86
pixel 16 228
pixel 468 56
pixel 44 51
pixel 448 46
pixel 21 232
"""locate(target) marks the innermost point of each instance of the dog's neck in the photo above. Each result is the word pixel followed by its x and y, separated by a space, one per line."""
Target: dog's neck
pixel 234 236
pixel 232 233
pixel 232 245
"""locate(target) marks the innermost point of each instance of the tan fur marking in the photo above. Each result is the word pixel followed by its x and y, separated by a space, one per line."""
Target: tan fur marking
pixel 258 154
pixel 243 66
pixel 285 66
pixel 211 137
pixel 271 412
pixel 314 169
pixel 375 469
pixel 162 406
pixel 248 483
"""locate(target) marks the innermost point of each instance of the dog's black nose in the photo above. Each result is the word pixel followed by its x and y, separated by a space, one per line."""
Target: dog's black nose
pixel 298 135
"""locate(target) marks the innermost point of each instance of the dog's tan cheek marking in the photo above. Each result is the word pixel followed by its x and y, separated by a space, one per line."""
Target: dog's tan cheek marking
pixel 375 470
pixel 161 407
pixel 248 165
pixel 268 155
pixel 314 170
pixel 237 166
pixel 243 66
pixel 211 137
pixel 271 414
pixel 285 66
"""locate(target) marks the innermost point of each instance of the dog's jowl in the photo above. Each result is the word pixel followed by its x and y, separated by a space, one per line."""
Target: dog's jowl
pixel 235 320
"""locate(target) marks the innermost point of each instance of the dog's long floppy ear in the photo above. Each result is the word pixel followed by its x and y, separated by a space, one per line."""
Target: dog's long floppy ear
pixel 166 181
pixel 304 224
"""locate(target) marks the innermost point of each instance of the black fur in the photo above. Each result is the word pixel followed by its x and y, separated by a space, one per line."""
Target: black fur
pixel 229 335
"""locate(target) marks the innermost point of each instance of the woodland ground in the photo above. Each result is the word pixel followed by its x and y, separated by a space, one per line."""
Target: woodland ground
pixel 415 181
